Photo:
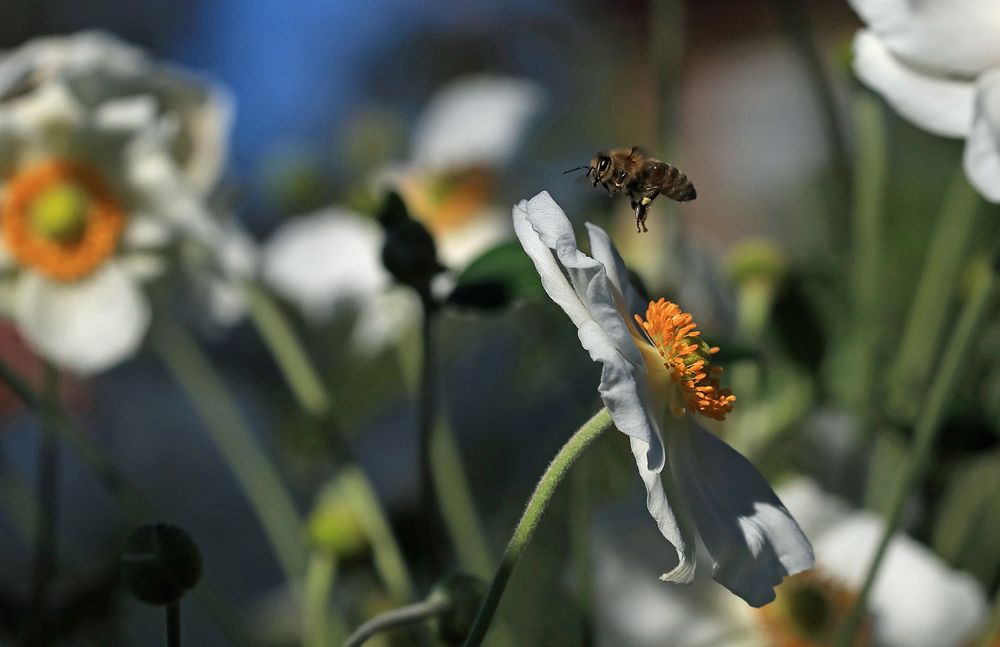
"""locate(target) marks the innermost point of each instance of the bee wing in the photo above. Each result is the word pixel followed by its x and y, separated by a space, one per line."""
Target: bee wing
pixel 639 151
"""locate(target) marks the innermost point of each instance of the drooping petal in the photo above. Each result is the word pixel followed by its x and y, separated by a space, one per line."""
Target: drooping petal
pixel 87 325
pixel 624 392
pixel 662 505
pixel 475 121
pixel 605 251
pixel 753 540
pixel 982 148
pixel 958 37
pixel 588 276
pixel 939 105
pixel 553 278
pixel 319 260
pixel 916 600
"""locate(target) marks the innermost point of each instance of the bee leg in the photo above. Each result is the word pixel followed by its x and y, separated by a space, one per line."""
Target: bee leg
pixel 640 217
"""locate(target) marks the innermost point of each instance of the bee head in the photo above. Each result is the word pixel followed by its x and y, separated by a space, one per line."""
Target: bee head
pixel 600 168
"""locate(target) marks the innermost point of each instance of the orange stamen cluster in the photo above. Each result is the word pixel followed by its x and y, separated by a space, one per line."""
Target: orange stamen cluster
pixel 61 259
pixel 687 357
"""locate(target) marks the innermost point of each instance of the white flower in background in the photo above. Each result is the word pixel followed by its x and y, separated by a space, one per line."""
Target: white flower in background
pixel 938 64
pixel 655 366
pixel 333 257
pixel 105 157
pixel 470 129
pixel 917 600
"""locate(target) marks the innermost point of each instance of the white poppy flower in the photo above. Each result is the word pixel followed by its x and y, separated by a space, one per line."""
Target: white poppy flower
pixel 654 366
pixel 105 157
pixel 931 61
pixel 917 600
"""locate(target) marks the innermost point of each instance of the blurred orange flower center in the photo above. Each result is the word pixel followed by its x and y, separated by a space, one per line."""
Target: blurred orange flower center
pixel 448 201
pixel 807 612
pixel 61 218
pixel 687 357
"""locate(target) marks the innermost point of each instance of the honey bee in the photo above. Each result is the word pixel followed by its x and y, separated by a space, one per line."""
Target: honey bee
pixel 642 178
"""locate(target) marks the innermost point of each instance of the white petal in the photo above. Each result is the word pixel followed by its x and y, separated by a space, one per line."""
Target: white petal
pixel 633 609
pixel 146 231
pixel 603 250
pixel 143 266
pixel 319 260
pixel 87 325
pixel 384 319
pixel 939 105
pixel 476 121
pixel 957 37
pixel 814 510
pixel 553 280
pixel 661 505
pixel 917 601
pixel 458 247
pixel 753 540
pixel 129 114
pixel 982 148
pixel 624 392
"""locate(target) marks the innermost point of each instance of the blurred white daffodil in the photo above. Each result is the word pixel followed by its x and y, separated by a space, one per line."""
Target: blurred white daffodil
pixel 105 157
pixel 654 366
pixel 333 257
pixel 938 64
pixel 917 600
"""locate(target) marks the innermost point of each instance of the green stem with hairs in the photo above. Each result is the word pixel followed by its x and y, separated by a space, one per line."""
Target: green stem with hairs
pixel 929 421
pixel 929 311
pixel 256 474
pixel 537 504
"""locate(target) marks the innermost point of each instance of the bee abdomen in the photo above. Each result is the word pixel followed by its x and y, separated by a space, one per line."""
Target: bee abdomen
pixel 677 186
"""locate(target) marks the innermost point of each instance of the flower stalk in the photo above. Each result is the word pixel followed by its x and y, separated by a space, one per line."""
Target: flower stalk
pixel 536 507
pixel 44 567
pixel 255 473
pixel 928 424
pixel 402 617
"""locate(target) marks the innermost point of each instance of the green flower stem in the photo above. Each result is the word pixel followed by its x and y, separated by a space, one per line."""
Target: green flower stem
pixel 174 624
pixel 280 338
pixel 796 24
pixel 321 627
pixel 929 310
pixel 929 421
pixel 401 617
pixel 44 568
pixel 867 252
pixel 537 504
pixel 255 473
pixel 430 513
pixel 389 562
pixel 136 509
pixel 313 396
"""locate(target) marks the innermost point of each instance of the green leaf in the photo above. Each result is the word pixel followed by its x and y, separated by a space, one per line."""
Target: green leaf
pixel 499 276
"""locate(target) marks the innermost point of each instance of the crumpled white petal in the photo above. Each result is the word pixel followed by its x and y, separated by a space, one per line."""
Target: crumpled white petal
pixel 86 326
pixel 982 148
pixel 939 105
pixel 752 538
pixel 319 260
pixel 957 37
pixel 475 121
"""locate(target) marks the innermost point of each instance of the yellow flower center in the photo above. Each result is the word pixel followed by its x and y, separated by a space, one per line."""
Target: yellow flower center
pixel 687 358
pixel 60 218
pixel 807 612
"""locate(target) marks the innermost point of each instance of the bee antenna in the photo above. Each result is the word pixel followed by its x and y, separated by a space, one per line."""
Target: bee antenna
pixel 575 169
